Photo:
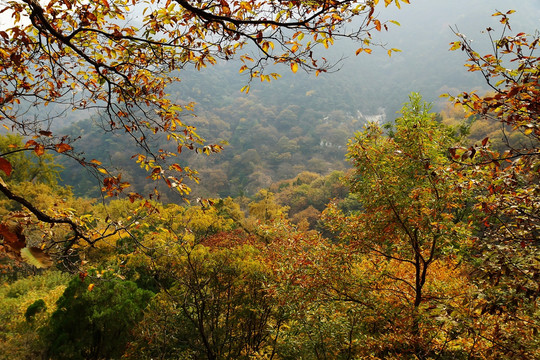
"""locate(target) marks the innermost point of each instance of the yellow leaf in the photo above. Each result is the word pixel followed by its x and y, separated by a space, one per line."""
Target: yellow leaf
pixel 91 287
pixel 455 45
pixel 294 67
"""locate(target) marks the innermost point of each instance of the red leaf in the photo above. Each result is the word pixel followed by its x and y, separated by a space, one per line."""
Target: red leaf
pixel 5 166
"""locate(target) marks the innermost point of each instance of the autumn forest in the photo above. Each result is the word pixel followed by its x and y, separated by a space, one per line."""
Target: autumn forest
pixel 261 179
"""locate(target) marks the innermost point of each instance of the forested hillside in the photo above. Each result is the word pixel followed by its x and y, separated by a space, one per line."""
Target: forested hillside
pixel 302 122
pixel 289 211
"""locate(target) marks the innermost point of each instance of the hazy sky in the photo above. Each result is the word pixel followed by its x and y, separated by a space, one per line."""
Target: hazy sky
pixel 425 64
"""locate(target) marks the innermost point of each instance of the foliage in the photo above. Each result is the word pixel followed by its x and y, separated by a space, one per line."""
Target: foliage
pixel 216 306
pixel 24 233
pixel 307 195
pixel 80 56
pixel 94 317
pixel 26 165
pixel 36 307
pixel 411 219
pixel 19 338
pixel 505 251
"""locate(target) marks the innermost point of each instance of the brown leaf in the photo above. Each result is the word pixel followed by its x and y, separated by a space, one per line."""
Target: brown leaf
pixel 13 237
pixel 37 257
pixel 513 91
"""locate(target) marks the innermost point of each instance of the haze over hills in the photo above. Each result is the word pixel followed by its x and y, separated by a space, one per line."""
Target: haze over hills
pixel 302 122
pixel 370 82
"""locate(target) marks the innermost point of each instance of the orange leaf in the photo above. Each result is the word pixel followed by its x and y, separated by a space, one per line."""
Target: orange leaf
pixel 62 147
pixel 176 167
pixel 39 150
pixel 377 24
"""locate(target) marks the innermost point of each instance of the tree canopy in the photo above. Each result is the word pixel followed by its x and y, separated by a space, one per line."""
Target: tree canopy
pixel 117 57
